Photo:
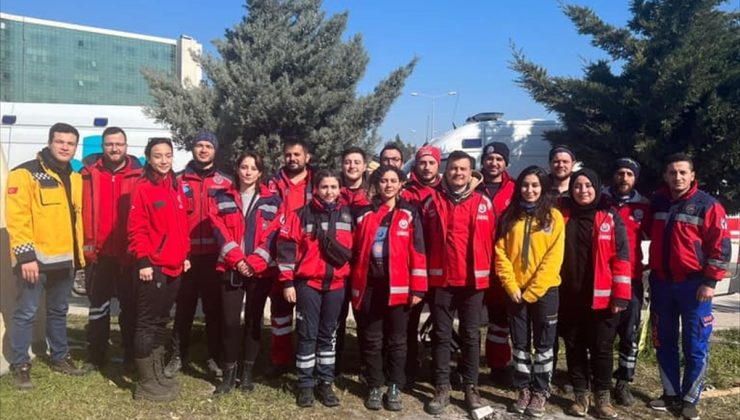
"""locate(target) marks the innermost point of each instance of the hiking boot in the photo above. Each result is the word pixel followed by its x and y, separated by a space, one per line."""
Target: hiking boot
pixel 472 397
pixel 67 366
pixel 229 380
pixel 214 368
pixel 536 407
pixel 689 411
pixel 304 397
pixel 168 383
pixel 374 399
pixel 522 402
pixel 580 406
pixel 440 401
pixel 22 376
pixel 604 407
pixel 325 394
pixel 393 398
pixel 665 403
pixel 622 394
pixel 147 387
pixel 173 366
pixel 247 381
pixel 501 377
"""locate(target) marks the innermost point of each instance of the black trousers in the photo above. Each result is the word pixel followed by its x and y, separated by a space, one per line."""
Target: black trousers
pixel 246 339
pixel 589 346
pixel 382 333
pixel 342 328
pixel 201 281
pixel 412 338
pixel 628 331
pixel 534 324
pixel 154 300
pixel 109 278
pixel 468 303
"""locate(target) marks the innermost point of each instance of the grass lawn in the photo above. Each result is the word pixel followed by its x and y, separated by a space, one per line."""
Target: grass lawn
pixel 108 394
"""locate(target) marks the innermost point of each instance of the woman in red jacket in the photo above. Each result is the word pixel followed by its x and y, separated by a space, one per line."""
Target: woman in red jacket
pixel 595 287
pixel 388 278
pixel 158 239
pixel 243 219
pixel 314 248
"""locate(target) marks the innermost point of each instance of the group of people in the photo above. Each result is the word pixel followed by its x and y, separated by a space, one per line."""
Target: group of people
pixel 549 255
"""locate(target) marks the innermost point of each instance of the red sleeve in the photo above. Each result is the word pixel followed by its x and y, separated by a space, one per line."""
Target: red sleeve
pixel 716 243
pixel 620 262
pixel 139 244
pixel 228 245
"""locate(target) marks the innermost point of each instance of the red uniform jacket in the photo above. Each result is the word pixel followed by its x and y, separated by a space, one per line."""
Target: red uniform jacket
pixel 474 212
pixel 611 256
pixel 415 193
pixel 292 196
pixel 636 215
pixel 407 263
pixel 199 191
pixel 157 225
pixel 689 237
pixel 247 239
pixel 353 198
pixel 298 253
pixel 502 198
pixel 106 200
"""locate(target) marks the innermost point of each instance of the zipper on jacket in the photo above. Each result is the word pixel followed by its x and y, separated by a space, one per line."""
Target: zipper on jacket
pixel 161 245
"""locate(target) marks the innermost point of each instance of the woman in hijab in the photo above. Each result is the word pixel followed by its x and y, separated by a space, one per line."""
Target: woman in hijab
pixel 595 288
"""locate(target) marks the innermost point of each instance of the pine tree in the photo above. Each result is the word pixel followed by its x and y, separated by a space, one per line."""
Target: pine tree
pixel 676 89
pixel 283 71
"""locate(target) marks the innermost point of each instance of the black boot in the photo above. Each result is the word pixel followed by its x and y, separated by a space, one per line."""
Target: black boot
pixel 147 387
pixel 304 397
pixel 170 384
pixel 247 382
pixel 325 394
pixel 228 381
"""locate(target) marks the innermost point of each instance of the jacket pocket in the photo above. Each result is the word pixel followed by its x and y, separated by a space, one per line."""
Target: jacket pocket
pixel 51 195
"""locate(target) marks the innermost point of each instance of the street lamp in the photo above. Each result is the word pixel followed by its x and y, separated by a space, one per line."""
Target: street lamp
pixel 434 99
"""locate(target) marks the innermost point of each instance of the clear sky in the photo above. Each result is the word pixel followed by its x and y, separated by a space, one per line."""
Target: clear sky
pixel 463 46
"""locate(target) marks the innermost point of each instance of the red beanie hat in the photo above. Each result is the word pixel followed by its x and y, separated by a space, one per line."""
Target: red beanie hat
pixel 429 151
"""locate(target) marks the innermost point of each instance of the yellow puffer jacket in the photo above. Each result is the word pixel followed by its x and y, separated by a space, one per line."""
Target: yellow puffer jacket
pixel 38 217
pixel 545 256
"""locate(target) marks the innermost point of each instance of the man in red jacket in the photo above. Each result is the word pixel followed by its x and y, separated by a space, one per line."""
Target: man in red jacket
pixel 498 186
pixel 292 184
pixel 108 180
pixel 200 180
pixel 459 268
pixel 354 191
pixel 634 209
pixel 424 180
pixel 689 254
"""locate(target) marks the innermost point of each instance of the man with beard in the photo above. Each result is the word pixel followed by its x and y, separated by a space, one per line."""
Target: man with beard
pixel 391 155
pixel 634 209
pixel 44 220
pixel 459 269
pixel 108 179
pixel 498 186
pixel 292 184
pixel 424 180
pixel 200 180
pixel 562 159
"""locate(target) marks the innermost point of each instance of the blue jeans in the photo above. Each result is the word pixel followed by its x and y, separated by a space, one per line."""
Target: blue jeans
pixel 58 284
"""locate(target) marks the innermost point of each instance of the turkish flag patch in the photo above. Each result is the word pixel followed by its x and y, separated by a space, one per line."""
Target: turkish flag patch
pixel 12 190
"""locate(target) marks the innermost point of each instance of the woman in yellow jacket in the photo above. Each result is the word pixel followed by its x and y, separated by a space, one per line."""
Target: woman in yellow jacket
pixel 529 253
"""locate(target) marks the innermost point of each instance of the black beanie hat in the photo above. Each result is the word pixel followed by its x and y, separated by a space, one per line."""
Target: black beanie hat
pixel 498 148
pixel 628 163
pixel 561 149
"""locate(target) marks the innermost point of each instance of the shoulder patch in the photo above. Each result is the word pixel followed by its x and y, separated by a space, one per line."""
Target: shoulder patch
pixel 12 190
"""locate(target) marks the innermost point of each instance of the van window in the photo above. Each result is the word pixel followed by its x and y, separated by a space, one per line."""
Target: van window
pixel 472 143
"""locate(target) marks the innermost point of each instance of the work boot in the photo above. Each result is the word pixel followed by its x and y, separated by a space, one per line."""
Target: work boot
pixel 604 407
pixel 689 411
pixel 325 394
pixel 228 381
pixel 147 388
pixel 622 394
pixel 472 397
pixel 440 401
pixel 304 397
pixel 536 407
pixel 580 406
pixel 22 376
pixel 247 381
pixel 170 384
pixel 665 403
pixel 374 399
pixel 393 398
pixel 67 366
pixel 522 402
pixel 173 366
